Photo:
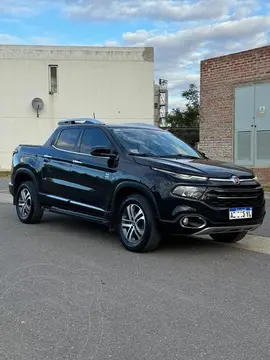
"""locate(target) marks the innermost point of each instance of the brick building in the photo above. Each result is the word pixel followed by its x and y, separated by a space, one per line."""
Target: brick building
pixel 235 109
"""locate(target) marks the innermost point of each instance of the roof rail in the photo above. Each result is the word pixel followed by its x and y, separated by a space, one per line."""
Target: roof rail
pixel 79 121
pixel 142 124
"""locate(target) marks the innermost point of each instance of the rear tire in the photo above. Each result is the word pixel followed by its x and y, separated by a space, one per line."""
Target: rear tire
pixel 27 203
pixel 229 238
pixel 137 225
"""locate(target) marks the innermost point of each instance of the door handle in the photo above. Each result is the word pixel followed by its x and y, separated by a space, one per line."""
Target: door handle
pixel 77 162
pixel 47 158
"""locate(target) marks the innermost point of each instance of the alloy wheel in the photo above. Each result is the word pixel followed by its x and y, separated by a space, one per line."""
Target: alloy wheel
pixel 133 223
pixel 24 203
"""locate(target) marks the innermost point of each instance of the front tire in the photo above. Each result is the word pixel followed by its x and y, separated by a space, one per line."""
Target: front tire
pixel 229 238
pixel 137 225
pixel 29 210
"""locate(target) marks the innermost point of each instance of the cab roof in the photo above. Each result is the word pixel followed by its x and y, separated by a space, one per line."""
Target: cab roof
pixel 91 121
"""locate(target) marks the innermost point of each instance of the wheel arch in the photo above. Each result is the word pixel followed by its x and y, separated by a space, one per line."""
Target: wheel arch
pixel 22 175
pixel 128 188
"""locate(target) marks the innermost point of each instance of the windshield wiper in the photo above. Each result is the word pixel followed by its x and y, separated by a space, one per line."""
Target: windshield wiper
pixel 179 155
pixel 140 154
pixel 163 156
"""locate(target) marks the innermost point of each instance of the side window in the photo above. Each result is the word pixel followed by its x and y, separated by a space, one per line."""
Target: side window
pixel 92 138
pixel 68 139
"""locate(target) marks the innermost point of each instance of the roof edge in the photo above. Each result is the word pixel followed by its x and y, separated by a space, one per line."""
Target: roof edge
pixel 75 47
pixel 237 53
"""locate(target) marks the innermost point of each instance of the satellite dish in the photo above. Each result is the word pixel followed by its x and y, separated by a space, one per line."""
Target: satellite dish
pixel 37 104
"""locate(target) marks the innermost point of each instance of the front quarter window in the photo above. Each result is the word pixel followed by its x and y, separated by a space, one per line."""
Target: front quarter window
pixel 153 142
pixel 94 137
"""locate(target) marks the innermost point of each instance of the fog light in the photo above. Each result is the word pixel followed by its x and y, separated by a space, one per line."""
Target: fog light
pixel 185 221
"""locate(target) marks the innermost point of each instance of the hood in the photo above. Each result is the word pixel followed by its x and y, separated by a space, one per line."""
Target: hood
pixel 203 167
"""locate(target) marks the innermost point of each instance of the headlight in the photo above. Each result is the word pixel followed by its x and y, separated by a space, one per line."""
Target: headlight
pixel 194 192
pixel 182 176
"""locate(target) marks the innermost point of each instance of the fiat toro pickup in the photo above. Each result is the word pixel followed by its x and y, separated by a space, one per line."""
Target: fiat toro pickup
pixel 137 179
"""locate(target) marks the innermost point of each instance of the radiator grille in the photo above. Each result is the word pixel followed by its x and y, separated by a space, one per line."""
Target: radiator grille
pixel 226 198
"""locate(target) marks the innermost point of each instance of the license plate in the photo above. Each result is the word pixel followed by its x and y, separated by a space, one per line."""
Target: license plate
pixel 240 213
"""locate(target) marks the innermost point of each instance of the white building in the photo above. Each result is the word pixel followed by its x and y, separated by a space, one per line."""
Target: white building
pixel 115 84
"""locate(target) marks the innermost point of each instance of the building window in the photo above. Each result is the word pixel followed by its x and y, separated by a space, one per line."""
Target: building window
pixel 53 79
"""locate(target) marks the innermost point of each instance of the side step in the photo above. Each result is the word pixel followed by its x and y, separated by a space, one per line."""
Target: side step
pixel 92 218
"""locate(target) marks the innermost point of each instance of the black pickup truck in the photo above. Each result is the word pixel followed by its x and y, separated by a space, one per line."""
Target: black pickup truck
pixel 137 179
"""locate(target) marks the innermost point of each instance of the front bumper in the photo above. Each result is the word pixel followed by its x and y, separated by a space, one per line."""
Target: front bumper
pixel 227 229
pixel 213 219
pixel 210 227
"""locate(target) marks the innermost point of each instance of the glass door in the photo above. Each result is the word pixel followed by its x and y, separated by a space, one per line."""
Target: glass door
pixel 244 126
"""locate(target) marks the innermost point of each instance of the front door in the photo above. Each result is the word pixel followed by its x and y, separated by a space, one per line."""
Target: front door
pixel 92 175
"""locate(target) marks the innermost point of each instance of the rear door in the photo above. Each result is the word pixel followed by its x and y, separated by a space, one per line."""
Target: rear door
pixel 93 175
pixel 56 179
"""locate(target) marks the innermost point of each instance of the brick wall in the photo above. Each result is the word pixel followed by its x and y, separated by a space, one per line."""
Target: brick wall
pixel 219 77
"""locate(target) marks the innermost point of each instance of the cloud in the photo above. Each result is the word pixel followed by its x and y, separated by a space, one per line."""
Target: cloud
pixel 203 28
pixel 111 43
pixel 178 54
pixel 161 10
pixel 10 20
pixel 176 102
pixel 175 10
pixel 183 32
pixel 33 40
pixel 9 39
pixel 26 8
pixel 42 40
pixel 244 8
pixel 234 30
pixel 17 8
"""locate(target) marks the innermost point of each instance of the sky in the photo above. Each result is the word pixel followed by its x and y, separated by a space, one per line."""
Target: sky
pixel 182 32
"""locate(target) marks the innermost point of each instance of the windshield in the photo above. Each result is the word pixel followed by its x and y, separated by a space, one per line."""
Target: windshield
pixel 153 142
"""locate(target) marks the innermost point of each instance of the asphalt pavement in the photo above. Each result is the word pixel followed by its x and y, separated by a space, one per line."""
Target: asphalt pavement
pixel 4 184
pixel 68 290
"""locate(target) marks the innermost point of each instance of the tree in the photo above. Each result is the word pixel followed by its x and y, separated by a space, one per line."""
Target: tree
pixel 189 117
pixel 192 96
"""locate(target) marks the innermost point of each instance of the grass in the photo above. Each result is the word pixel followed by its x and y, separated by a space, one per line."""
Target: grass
pixel 4 174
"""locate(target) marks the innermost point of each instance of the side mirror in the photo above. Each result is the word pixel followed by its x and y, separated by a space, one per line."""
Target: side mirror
pixel 103 152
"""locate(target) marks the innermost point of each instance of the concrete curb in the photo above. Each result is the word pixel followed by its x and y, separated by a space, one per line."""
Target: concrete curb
pixel 267 195
pixel 254 243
